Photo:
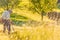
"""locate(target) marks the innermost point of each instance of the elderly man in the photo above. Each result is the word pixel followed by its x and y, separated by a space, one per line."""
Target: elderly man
pixel 6 20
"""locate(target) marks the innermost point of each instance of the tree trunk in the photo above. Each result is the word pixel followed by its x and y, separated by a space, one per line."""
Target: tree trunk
pixel 41 16
pixel 7 7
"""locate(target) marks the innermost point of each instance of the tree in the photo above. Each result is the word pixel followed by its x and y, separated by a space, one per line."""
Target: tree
pixel 9 4
pixel 43 6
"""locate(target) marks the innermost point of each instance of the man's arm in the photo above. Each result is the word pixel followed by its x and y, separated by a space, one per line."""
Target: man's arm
pixel 11 22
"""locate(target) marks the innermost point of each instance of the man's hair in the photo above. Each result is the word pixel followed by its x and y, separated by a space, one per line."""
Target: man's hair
pixel 10 10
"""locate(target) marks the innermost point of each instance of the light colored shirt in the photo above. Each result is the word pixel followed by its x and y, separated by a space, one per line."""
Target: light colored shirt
pixel 6 15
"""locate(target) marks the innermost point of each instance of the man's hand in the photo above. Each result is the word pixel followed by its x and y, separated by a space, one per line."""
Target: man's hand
pixel 12 22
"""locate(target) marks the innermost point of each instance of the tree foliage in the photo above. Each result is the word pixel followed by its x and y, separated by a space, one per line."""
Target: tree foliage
pixel 58 6
pixel 43 6
pixel 6 4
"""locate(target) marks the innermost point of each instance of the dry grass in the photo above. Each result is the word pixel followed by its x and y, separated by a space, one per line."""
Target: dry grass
pixel 46 31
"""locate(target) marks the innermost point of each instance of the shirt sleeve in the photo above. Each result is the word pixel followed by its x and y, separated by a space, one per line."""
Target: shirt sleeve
pixel 3 14
pixel 6 15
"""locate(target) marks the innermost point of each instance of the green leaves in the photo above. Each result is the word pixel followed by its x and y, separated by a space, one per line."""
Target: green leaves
pixel 9 3
pixel 43 5
pixel 58 5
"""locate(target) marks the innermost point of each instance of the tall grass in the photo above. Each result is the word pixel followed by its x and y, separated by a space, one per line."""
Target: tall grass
pixel 42 32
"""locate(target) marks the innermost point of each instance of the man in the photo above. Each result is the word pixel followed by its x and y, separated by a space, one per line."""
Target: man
pixel 6 20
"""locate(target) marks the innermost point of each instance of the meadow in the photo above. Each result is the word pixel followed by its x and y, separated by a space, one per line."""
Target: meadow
pixel 28 26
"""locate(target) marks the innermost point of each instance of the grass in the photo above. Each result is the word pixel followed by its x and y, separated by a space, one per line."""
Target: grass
pixel 44 31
